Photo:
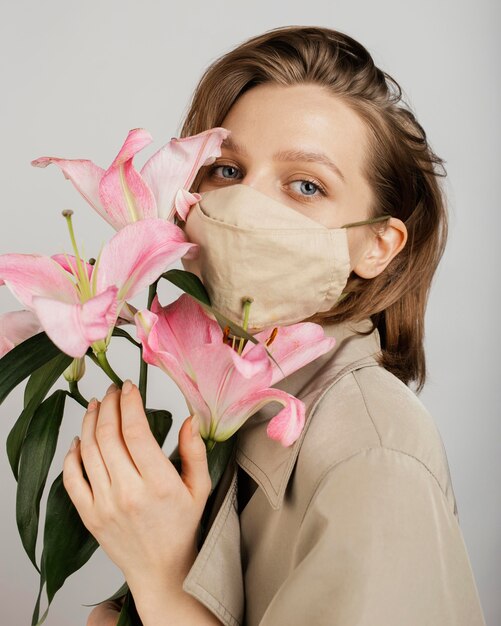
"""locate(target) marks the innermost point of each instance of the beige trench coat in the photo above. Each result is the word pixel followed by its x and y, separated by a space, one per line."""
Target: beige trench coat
pixel 353 525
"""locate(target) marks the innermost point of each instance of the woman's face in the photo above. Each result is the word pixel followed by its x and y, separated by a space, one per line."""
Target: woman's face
pixel 302 146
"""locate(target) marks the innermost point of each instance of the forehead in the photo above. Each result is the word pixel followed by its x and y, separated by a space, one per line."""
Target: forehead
pixel 269 118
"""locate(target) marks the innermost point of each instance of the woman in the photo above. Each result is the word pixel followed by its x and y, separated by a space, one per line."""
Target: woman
pixel 356 523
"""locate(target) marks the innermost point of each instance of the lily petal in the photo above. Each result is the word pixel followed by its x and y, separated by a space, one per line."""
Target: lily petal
pixel 175 165
pixel 30 275
pixel 181 328
pixel 182 204
pixel 16 327
pixel 146 323
pixel 285 427
pixel 74 327
pixel 219 376
pixel 85 176
pixel 69 263
pixel 122 191
pixel 126 314
pixel 295 346
pixel 136 256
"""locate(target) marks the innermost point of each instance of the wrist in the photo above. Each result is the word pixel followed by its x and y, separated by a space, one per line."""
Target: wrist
pixel 166 604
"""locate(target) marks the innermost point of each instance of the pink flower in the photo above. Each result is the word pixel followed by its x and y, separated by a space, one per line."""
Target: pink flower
pixel 123 195
pixel 78 304
pixel 222 387
pixel 16 327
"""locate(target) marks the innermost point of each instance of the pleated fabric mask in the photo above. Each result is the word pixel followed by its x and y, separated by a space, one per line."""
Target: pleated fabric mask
pixel 253 247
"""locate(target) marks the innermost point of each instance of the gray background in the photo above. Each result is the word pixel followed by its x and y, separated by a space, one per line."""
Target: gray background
pixel 77 76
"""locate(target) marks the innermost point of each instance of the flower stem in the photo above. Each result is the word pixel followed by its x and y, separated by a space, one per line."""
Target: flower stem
pixel 209 444
pixel 106 367
pixel 76 395
pixel 143 366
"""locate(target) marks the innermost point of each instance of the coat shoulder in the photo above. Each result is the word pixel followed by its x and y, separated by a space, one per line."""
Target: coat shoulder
pixel 371 408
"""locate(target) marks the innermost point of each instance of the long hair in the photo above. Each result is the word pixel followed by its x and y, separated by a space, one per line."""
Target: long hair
pixel 400 167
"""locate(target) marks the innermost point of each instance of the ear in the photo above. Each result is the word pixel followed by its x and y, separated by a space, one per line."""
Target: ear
pixel 381 248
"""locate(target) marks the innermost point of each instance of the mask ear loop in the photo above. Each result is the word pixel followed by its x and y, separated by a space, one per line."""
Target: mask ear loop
pixel 372 220
pixel 380 218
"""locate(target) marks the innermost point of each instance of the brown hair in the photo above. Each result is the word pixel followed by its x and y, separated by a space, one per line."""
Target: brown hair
pixel 400 168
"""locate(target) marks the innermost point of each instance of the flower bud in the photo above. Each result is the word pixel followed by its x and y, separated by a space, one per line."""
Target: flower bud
pixel 75 372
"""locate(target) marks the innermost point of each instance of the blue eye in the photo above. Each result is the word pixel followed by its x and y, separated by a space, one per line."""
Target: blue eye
pixel 308 188
pixel 223 167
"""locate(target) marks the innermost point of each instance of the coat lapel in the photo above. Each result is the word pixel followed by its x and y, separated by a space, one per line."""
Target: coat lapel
pixel 271 464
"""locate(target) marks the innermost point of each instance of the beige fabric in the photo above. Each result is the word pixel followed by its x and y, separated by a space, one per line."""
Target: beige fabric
pixel 249 241
pixel 355 524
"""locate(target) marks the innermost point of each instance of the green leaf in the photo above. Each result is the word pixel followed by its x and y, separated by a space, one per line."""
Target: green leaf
pixel 193 286
pixel 119 593
pixel 38 382
pixel 36 457
pixel 217 459
pixel 67 544
pixel 24 359
pixel 119 332
pixel 160 422
pixel 188 282
pixel 35 621
pixel 36 389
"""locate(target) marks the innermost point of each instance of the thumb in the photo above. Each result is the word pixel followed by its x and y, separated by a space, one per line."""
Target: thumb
pixel 194 467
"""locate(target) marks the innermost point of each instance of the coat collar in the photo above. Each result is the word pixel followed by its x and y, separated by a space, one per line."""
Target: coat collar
pixel 268 462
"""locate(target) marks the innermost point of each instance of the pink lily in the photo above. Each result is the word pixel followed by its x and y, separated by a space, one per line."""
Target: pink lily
pixel 122 195
pixel 16 327
pixel 221 386
pixel 79 306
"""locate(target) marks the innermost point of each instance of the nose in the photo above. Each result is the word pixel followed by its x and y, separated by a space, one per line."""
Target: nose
pixel 263 182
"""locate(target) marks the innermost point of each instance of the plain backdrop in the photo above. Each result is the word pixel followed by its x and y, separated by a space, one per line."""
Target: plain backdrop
pixel 75 77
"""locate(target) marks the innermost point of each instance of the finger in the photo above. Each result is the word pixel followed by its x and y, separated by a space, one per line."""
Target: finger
pixel 74 481
pixel 195 470
pixel 110 440
pixel 91 455
pixel 142 445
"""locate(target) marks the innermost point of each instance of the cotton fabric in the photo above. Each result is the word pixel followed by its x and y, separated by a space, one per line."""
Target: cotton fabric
pixel 354 524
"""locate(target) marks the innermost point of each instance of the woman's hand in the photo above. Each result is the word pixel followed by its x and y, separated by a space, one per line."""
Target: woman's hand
pixel 141 511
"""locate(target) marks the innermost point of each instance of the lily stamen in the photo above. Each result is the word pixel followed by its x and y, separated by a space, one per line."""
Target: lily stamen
pixel 247 301
pixel 226 333
pixel 83 281
pixel 270 339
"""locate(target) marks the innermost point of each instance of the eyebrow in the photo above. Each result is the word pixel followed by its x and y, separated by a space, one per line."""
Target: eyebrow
pixel 289 155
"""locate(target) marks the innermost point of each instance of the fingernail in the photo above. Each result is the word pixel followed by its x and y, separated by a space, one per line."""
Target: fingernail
pixel 195 425
pixel 127 386
pixel 111 388
pixel 92 404
pixel 74 442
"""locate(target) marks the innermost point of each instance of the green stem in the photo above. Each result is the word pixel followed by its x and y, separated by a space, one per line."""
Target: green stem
pixel 106 367
pixel 209 444
pixel 76 395
pixel 143 366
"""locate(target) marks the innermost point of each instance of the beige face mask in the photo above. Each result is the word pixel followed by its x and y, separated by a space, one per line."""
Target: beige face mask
pixel 254 247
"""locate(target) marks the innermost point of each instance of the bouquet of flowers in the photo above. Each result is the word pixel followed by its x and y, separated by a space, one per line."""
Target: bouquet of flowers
pixel 73 307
